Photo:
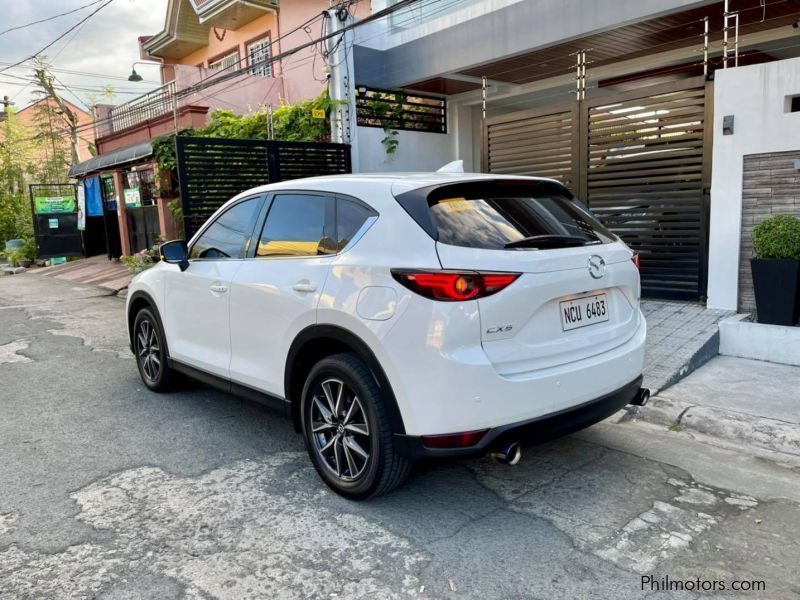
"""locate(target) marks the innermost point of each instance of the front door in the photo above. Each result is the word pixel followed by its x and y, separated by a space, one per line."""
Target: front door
pixel 110 219
pixel 197 300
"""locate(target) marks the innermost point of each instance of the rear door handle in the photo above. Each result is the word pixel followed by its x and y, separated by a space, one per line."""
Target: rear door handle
pixel 304 286
pixel 218 288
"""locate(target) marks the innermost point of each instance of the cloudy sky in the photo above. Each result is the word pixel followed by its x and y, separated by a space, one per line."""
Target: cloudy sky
pixel 102 49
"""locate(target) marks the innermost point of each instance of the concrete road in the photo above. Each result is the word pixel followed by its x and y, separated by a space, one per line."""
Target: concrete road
pixel 110 491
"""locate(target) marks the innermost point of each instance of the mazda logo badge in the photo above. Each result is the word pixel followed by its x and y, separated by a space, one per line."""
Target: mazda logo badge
pixel 597 266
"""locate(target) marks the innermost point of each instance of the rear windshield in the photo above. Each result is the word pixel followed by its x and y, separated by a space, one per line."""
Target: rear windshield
pixel 499 215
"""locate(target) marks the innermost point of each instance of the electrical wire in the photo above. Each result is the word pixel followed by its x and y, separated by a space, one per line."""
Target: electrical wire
pixel 230 74
pixel 227 75
pixel 64 14
pixel 83 73
pixel 62 36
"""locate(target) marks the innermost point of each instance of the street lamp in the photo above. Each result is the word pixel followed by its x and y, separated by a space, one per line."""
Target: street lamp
pixel 134 76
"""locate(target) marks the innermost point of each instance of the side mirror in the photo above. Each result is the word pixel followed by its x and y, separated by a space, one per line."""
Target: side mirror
pixel 175 252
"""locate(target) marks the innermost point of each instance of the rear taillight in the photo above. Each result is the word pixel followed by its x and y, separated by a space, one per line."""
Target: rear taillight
pixel 453 286
pixel 635 259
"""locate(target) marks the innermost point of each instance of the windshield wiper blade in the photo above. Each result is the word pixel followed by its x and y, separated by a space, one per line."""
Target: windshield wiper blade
pixel 550 241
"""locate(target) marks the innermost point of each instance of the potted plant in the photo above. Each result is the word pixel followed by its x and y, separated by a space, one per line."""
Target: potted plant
pixel 776 270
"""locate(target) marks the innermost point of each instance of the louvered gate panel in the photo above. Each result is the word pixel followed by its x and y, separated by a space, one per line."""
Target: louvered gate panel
pixel 644 178
pixel 541 143
pixel 213 170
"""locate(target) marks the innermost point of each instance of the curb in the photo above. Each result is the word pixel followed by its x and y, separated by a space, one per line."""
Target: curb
pixel 774 343
pixel 732 426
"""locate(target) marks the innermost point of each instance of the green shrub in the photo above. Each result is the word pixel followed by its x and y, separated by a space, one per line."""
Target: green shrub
pixel 26 252
pixel 777 237
pixel 142 260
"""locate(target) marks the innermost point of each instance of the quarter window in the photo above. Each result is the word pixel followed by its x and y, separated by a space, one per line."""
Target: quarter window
pixel 298 225
pixel 229 235
pixel 350 216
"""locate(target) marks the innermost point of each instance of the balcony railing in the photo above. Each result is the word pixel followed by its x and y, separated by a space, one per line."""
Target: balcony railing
pixel 159 102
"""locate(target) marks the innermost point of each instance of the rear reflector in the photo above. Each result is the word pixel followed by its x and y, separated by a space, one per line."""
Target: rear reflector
pixel 454 440
pixel 453 286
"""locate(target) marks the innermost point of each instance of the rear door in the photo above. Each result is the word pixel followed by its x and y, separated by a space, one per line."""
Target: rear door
pixel 579 290
pixel 274 295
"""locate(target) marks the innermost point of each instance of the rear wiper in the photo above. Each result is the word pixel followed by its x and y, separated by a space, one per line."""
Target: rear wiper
pixel 551 241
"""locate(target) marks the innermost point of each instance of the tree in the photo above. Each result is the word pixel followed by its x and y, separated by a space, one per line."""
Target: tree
pixel 17 167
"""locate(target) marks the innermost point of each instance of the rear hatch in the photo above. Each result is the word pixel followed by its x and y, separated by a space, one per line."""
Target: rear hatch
pixel 578 292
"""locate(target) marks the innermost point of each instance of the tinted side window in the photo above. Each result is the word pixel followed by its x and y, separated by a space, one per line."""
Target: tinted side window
pixel 228 236
pixel 350 216
pixel 298 225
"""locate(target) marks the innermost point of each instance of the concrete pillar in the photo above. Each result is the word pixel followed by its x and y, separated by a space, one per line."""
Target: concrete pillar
pixel 166 223
pixel 122 216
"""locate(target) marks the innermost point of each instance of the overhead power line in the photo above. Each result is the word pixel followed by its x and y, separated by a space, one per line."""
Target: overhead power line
pixel 222 76
pixel 62 36
pixel 64 14
pixel 81 73
pixel 227 75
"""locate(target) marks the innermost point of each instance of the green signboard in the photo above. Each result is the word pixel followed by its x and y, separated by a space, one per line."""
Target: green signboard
pixel 53 205
pixel 132 197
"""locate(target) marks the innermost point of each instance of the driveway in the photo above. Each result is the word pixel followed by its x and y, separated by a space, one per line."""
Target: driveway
pixel 110 491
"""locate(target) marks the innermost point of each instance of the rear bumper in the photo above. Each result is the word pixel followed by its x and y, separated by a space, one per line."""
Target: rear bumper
pixel 531 432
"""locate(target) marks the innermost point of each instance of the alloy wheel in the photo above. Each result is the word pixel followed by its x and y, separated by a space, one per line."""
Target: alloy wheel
pixel 339 429
pixel 148 350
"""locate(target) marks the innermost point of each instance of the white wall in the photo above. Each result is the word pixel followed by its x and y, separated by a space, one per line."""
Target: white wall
pixel 417 151
pixel 420 151
pixel 756 97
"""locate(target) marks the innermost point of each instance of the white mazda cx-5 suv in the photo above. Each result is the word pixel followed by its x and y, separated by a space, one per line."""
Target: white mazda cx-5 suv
pixel 400 316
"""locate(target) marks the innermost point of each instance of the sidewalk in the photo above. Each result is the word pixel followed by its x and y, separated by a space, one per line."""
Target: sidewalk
pixel 740 400
pixel 97 270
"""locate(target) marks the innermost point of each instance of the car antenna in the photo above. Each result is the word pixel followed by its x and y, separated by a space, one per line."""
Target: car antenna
pixel 457 166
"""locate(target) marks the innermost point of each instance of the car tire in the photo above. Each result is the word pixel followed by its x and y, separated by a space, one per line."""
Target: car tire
pixel 339 430
pixel 150 351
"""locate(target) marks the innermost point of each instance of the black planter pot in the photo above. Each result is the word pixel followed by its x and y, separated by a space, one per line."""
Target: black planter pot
pixel 776 283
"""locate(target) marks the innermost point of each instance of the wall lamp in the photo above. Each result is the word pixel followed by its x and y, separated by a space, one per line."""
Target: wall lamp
pixel 134 76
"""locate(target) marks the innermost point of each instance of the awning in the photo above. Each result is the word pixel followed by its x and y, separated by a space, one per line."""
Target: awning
pixel 112 159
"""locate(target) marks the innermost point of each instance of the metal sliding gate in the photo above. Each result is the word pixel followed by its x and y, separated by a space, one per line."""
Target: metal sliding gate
pixel 641 161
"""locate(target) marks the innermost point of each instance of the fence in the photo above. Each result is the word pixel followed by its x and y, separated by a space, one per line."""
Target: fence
pixel 213 170
pixel 399 110
pixel 639 158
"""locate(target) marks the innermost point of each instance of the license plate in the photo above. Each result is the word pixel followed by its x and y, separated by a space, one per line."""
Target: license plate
pixel 584 311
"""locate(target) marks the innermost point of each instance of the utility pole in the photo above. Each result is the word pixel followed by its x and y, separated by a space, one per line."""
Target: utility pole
pixel 341 85
pixel 46 83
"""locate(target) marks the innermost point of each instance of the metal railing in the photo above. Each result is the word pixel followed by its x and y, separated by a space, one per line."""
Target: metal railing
pixel 157 103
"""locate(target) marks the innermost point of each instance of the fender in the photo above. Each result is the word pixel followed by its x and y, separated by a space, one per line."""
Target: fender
pixel 349 339
pixel 142 295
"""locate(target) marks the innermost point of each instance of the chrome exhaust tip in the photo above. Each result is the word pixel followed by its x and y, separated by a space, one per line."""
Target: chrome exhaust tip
pixel 510 455
pixel 641 397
